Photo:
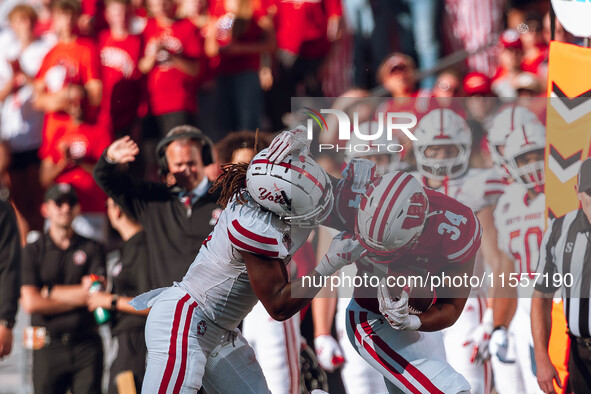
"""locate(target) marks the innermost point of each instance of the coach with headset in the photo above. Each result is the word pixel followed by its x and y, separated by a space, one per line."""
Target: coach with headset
pixel 177 215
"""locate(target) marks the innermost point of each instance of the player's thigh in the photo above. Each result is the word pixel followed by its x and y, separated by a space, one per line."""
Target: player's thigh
pixel 178 337
pixel 507 376
pixel 459 355
pixel 233 368
pixel 413 361
pixel 276 345
pixel 525 351
pixel 358 376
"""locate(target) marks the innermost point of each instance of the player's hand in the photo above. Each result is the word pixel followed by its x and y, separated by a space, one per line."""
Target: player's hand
pixel 123 150
pixel 479 339
pixel 395 310
pixel 100 299
pixel 329 353
pixel 344 250
pixel 288 142
pixel 499 345
pixel 546 374
pixel 356 177
pixel 5 341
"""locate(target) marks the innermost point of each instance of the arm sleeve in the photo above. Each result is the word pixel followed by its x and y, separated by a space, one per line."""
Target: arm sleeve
pixel 546 262
pixel 244 237
pixel 130 194
pixel 10 250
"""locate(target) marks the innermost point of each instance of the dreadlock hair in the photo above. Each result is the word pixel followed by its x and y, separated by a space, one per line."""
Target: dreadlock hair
pixel 232 181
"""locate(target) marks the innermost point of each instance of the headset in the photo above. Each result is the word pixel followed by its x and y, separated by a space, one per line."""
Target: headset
pixel 180 133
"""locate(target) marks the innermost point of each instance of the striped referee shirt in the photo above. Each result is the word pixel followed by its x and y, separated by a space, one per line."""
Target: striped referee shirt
pixel 566 249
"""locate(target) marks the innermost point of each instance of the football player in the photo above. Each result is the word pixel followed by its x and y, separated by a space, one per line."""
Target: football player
pixel 270 207
pixel 442 151
pixel 407 228
pixel 506 122
pixel 519 218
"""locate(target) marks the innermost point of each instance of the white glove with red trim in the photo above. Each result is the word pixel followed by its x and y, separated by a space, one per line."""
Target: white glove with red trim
pixel 344 250
pixel 480 337
pixel 395 310
pixel 329 353
pixel 288 142
pixel 356 177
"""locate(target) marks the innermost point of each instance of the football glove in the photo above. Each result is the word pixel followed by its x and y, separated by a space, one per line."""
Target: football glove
pixel 499 345
pixel 480 337
pixel 329 353
pixel 288 142
pixel 395 310
pixel 356 177
pixel 344 250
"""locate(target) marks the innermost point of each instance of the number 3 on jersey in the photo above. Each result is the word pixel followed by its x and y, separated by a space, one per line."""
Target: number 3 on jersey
pixel 452 229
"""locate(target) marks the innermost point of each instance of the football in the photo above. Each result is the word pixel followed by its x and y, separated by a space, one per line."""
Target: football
pixel 421 297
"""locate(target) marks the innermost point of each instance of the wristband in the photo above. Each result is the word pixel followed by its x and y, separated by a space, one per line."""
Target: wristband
pixel 499 327
pixel 114 300
pixel 108 159
pixel 7 323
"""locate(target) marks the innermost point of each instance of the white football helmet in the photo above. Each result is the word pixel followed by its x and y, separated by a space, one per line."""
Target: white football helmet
pixel 300 193
pixel 363 149
pixel 442 127
pixel 391 215
pixel 505 122
pixel 529 138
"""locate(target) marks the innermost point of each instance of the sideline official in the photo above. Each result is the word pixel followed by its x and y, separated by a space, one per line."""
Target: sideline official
pixel 566 253
pixel 176 216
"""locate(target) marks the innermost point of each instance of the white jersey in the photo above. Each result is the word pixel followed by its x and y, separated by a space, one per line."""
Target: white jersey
pixel 476 189
pixel 520 226
pixel 218 279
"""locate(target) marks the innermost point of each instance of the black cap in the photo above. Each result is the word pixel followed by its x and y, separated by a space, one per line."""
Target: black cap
pixel 62 192
pixel 584 178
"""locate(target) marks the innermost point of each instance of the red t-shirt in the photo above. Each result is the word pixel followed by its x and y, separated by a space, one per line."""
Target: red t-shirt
pixel 533 65
pixel 74 63
pixel 85 140
pixel 451 237
pixel 302 26
pixel 169 89
pixel 122 80
pixel 235 64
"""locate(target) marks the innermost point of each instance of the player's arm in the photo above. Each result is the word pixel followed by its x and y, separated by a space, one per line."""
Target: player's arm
pixel 282 298
pixel 504 302
pixel 446 311
pixel 269 280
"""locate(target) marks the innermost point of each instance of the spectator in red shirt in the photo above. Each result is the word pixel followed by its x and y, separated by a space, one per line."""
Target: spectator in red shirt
pixel 510 57
pixel 240 33
pixel 535 50
pixel 306 30
pixel 397 75
pixel 70 158
pixel 171 50
pixel 68 86
pixel 120 52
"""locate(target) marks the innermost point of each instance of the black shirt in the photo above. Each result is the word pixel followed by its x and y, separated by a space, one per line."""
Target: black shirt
pixel 130 278
pixel 44 264
pixel 174 237
pixel 10 252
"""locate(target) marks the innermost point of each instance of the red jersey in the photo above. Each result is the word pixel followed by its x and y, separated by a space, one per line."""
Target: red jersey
pixel 170 89
pixel 451 237
pixel 73 63
pixel 122 80
pixel 302 26
pixel 231 63
pixel 84 141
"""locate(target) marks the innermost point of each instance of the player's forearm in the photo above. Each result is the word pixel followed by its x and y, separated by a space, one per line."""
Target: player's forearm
pixel 442 314
pixel 541 323
pixel 503 311
pixel 323 310
pixel 293 297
